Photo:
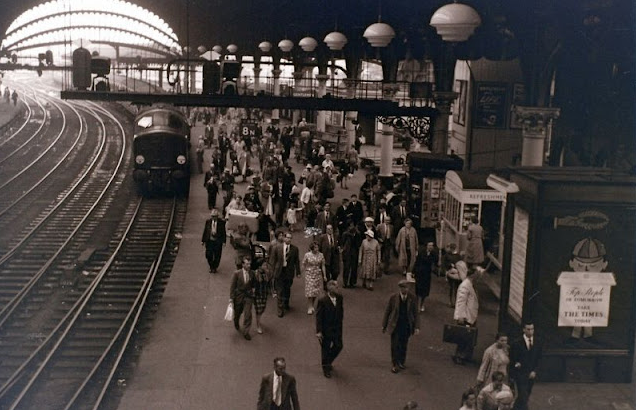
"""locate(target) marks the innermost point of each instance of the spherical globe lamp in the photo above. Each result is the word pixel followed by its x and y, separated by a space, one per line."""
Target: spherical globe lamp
pixel 335 40
pixel 379 34
pixel 286 45
pixel 265 46
pixel 455 22
pixel 308 44
pixel 217 49
pixel 232 48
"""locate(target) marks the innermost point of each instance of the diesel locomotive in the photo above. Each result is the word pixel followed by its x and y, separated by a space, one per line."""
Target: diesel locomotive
pixel 161 148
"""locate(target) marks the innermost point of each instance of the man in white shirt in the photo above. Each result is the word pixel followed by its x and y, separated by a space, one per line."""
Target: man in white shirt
pixel 278 389
pixel 327 163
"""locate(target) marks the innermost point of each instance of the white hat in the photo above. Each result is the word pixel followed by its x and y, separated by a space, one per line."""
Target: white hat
pixel 369 233
pixel 368 219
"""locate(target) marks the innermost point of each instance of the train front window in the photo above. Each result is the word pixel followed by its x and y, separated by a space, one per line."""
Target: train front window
pixel 145 121
pixel 175 122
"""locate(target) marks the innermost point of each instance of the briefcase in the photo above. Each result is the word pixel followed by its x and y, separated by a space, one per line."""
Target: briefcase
pixel 460 334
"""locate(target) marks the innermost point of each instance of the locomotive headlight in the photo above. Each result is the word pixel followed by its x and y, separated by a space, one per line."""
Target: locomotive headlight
pixel 139 159
pixel 181 159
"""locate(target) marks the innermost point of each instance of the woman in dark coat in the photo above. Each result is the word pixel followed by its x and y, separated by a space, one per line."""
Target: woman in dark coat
pixel 422 269
pixel 266 227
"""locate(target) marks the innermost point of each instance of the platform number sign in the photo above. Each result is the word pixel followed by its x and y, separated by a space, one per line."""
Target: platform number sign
pixel 248 129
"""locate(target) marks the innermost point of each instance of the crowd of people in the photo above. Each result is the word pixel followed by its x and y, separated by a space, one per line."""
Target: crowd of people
pixel 363 238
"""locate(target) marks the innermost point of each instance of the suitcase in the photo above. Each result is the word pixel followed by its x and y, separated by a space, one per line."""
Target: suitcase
pixel 460 334
pixel 235 217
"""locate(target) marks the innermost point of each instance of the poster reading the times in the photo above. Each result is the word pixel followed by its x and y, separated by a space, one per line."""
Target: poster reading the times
pixel 585 298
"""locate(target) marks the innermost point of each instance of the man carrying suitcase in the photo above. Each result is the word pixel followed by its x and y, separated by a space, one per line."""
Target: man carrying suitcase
pixel 466 310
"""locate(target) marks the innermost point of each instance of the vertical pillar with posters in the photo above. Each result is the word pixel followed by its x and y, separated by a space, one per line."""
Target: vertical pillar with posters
pixel 569 267
pixel 425 196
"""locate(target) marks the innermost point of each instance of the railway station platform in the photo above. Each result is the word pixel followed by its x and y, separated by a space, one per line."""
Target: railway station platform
pixel 194 360
pixel 9 114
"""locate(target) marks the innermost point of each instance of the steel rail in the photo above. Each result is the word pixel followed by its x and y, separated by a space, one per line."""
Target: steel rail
pixel 8 309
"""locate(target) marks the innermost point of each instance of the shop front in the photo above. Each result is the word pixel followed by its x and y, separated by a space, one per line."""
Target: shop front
pixel 569 267
pixel 468 196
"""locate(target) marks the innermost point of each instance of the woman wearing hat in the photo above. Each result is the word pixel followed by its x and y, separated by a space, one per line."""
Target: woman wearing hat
pixel 369 260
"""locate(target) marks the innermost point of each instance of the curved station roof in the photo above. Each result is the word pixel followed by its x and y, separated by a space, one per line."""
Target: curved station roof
pixel 112 28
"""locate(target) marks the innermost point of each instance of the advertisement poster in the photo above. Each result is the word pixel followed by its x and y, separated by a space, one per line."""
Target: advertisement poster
pixel 587 277
pixel 585 298
pixel 491 105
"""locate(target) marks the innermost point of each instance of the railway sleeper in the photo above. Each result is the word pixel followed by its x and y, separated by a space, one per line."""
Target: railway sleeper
pixel 90 352
pixel 116 306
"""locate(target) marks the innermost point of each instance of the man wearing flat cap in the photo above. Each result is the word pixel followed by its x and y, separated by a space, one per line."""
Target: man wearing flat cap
pixel 401 320
pixel 213 239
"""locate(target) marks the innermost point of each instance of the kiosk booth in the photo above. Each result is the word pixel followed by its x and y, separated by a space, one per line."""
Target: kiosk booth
pixel 569 266
pixel 468 195
pixel 425 189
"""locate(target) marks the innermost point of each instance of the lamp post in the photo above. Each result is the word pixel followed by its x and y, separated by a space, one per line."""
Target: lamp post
pixel 454 22
pixel 379 35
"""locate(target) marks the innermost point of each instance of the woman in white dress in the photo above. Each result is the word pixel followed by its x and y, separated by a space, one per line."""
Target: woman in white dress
pixel 313 264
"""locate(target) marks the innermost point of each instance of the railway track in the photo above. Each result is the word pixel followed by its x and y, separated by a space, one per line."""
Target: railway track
pixel 37 181
pixel 75 363
pixel 78 260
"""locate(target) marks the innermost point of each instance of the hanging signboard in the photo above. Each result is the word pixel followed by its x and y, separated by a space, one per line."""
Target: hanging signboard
pixel 490 105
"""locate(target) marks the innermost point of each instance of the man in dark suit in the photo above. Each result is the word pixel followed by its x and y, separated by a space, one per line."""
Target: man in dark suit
pixel 342 216
pixel 385 238
pixel 285 265
pixel 324 218
pixel 280 197
pixel 224 146
pixel 213 239
pixel 356 210
pixel 401 320
pixel 400 213
pixel 382 215
pixel 328 246
pixel 525 354
pixel 211 186
pixel 350 242
pixel 278 389
pixel 242 296
pixel 329 315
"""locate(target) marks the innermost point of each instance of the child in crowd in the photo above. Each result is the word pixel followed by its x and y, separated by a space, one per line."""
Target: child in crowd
pixel 291 217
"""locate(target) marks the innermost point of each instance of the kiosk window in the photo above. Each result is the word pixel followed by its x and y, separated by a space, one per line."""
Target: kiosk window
pixel 452 211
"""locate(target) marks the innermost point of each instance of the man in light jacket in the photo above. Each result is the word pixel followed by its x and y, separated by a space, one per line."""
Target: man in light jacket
pixel 466 308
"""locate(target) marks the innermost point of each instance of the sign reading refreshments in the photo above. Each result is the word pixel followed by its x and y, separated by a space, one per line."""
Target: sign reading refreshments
pixel 585 298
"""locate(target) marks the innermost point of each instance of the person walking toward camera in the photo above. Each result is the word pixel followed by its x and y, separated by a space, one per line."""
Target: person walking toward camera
pixel 329 317
pixel 466 310
pixel 525 355
pixel 401 320
pixel 278 389
pixel 213 239
pixel 242 292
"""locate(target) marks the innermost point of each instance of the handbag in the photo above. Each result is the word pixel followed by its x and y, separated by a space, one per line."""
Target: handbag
pixel 229 312
pixel 460 334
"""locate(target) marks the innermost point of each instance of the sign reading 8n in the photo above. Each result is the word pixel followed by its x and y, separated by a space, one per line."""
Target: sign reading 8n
pixel 248 129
